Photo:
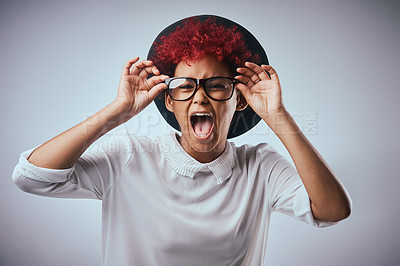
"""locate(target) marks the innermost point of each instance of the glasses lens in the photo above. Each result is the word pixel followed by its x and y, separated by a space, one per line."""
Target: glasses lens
pixel 219 88
pixel 181 88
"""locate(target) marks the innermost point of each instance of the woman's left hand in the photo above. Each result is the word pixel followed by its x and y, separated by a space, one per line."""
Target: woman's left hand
pixel 329 199
pixel 262 92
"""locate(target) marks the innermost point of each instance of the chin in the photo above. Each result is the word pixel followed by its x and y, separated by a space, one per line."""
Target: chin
pixel 203 145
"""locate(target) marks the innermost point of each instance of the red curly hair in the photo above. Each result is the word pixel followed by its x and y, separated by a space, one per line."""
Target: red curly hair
pixel 195 39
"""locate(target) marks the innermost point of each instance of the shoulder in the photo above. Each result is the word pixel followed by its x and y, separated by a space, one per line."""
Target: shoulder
pixel 256 152
pixel 260 159
pixel 122 143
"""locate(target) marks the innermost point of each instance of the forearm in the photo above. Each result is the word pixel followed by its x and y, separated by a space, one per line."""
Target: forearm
pixel 329 199
pixel 64 150
pixel 135 92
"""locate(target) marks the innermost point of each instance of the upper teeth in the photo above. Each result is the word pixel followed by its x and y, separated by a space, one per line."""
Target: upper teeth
pixel 201 114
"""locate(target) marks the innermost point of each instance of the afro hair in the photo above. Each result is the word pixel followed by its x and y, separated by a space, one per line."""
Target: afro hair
pixel 196 39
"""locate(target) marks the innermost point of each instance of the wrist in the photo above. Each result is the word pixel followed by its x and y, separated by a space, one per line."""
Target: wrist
pixel 119 111
pixel 109 117
pixel 282 123
pixel 277 115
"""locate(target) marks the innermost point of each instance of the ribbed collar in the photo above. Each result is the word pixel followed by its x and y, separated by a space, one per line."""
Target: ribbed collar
pixel 186 165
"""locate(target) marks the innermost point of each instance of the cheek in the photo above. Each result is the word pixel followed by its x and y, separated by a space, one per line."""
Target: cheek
pixel 231 106
pixel 226 113
pixel 177 108
pixel 180 112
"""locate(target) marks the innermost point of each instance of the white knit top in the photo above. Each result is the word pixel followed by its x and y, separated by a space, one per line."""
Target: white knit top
pixel 162 207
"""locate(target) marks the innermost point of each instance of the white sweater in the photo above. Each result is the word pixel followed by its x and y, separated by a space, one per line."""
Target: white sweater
pixel 162 207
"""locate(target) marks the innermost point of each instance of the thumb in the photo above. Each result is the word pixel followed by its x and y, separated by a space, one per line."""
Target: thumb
pixel 153 92
pixel 245 91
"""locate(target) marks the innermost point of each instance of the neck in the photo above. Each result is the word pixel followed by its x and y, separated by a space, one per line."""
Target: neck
pixel 205 155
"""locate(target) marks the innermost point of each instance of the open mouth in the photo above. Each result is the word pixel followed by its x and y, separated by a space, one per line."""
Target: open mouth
pixel 202 124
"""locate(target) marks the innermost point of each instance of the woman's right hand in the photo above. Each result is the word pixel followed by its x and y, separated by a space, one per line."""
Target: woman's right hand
pixel 135 91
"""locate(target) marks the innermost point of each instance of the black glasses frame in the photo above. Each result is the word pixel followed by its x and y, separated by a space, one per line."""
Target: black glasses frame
pixel 200 82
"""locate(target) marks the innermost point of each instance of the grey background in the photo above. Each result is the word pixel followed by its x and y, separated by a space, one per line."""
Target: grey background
pixel 60 61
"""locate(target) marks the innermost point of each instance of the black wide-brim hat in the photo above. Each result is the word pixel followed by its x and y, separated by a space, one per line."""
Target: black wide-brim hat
pixel 242 121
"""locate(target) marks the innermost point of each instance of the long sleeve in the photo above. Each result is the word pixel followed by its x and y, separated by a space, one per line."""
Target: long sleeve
pixel 287 193
pixel 94 172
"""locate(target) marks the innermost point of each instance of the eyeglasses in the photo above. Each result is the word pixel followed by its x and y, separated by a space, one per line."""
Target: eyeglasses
pixel 216 88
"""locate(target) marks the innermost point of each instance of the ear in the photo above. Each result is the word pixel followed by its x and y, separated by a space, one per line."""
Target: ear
pixel 168 102
pixel 241 101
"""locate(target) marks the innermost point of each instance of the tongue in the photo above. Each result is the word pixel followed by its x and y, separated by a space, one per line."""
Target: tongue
pixel 202 125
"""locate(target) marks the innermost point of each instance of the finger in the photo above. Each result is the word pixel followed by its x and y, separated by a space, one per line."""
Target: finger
pixel 257 69
pixel 140 65
pixel 246 71
pixel 156 71
pixel 246 80
pixel 127 66
pixel 271 71
pixel 153 81
pixel 145 72
pixel 249 73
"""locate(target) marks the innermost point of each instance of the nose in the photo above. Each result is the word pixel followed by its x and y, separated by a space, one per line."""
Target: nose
pixel 200 96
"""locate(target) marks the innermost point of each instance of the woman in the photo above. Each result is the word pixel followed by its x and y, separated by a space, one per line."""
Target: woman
pixel 191 198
